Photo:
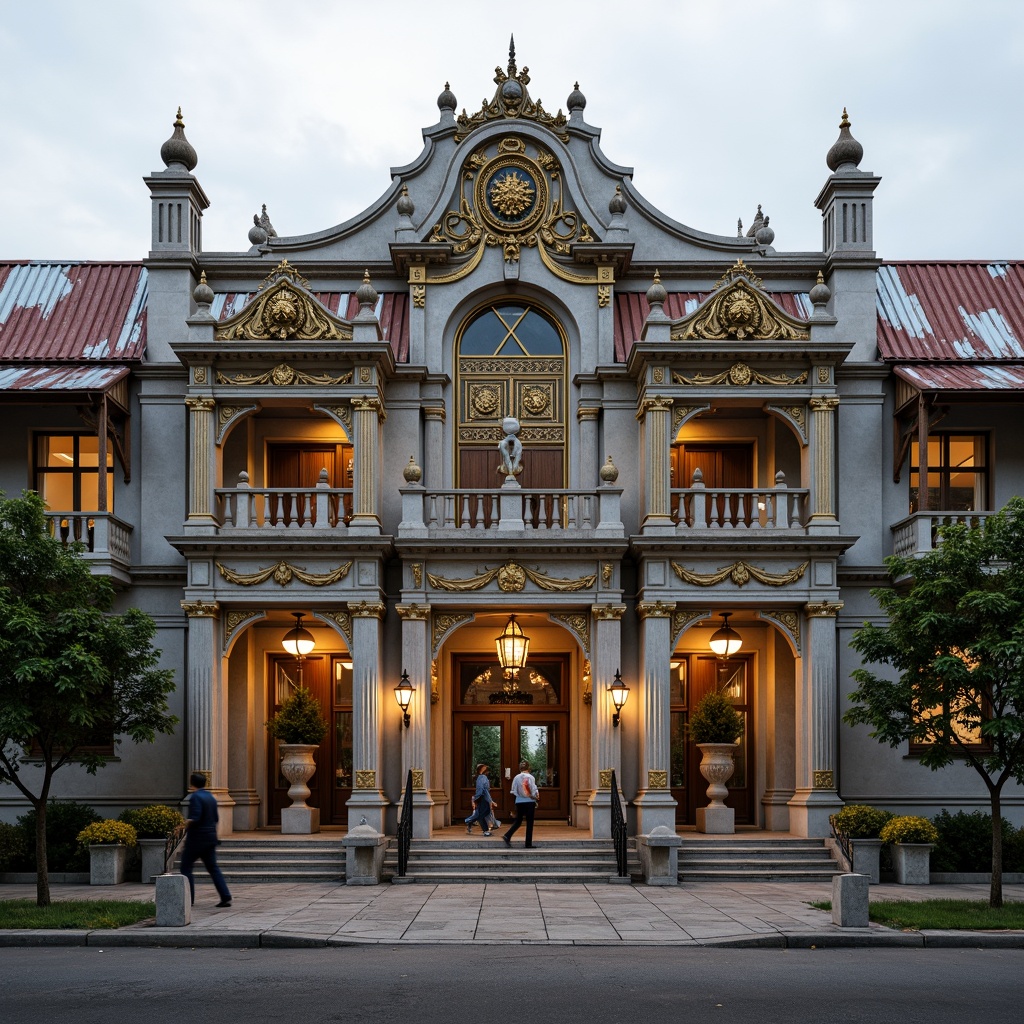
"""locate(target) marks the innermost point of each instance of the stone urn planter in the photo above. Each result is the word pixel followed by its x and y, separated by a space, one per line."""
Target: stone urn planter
pixel 865 858
pixel 717 765
pixel 152 852
pixel 298 767
pixel 912 862
pixel 107 863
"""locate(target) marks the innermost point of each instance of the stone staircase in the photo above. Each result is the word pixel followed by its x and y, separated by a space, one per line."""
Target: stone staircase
pixel 551 861
pixel 755 859
pixel 279 859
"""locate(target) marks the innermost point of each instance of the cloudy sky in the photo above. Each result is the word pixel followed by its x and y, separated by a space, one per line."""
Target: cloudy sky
pixel 305 105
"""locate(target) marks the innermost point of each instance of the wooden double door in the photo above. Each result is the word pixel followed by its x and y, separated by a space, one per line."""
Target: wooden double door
pixel 329 679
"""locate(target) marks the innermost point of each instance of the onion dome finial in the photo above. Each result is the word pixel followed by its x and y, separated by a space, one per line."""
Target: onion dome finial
pixel 366 294
pixel 656 294
pixel 576 100
pixel 177 150
pixel 846 151
pixel 405 206
pixel 446 101
pixel 203 293
pixel 617 203
pixel 820 293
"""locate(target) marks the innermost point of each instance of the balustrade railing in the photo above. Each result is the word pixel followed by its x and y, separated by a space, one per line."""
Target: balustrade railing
pixel 99 532
pixel 739 508
pixel 283 508
pixel 618 830
pixel 919 533
pixel 405 828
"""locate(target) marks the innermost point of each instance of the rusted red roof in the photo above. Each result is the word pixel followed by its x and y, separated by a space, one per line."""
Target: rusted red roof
pixel 962 376
pixel 968 310
pixel 392 310
pixel 60 377
pixel 72 312
pixel 631 309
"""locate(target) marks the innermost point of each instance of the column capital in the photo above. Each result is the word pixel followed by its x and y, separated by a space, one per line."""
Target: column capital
pixel 200 403
pixel 413 611
pixel 657 403
pixel 369 403
pixel 655 609
pixel 367 610
pixel 823 609
pixel 587 412
pixel 434 412
pixel 201 609
pixel 824 403
pixel 608 611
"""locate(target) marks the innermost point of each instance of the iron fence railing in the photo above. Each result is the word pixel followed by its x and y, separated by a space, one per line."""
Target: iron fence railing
pixel 405 828
pixel 618 829
pixel 174 840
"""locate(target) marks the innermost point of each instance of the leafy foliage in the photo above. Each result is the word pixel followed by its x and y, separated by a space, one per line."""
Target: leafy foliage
pixel 955 641
pixel 13 845
pixel 715 720
pixel 69 669
pixel 859 821
pixel 64 820
pixel 908 828
pixel 300 719
pixel 108 831
pixel 965 843
pixel 157 821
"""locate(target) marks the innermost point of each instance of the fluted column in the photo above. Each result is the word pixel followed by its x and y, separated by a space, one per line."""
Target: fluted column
pixel 367 800
pixel 655 415
pixel 815 797
pixel 416 739
pixel 655 803
pixel 368 414
pixel 202 456
pixel 605 741
pixel 207 706
pixel 588 415
pixel 433 445
pixel 823 510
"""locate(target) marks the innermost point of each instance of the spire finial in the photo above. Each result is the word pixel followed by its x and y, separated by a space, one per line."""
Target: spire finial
pixel 845 123
pixel 178 123
pixel 512 56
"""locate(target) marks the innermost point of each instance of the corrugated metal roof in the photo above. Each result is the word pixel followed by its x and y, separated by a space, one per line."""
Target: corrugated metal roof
pixel 392 311
pixel 954 311
pixel 632 308
pixel 72 311
pixel 60 377
pixel 962 376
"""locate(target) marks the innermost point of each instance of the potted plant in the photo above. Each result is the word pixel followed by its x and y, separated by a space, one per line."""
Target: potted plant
pixel 109 843
pixel 299 726
pixel 859 827
pixel 153 825
pixel 715 726
pixel 912 841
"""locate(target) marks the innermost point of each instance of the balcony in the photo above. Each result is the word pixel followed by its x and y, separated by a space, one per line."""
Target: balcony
pixel 778 509
pixel 106 540
pixel 919 533
pixel 282 509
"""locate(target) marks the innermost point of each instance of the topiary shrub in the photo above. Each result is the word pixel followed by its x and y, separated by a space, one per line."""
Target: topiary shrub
pixel 64 820
pixel 157 821
pixel 859 821
pixel 965 843
pixel 107 831
pixel 909 829
pixel 715 720
pixel 300 719
pixel 13 846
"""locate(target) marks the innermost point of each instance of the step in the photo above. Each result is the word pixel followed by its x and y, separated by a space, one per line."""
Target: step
pixel 755 860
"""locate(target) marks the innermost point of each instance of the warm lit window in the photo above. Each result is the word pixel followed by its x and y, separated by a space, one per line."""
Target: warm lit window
pixel 964 712
pixel 957 473
pixel 67 472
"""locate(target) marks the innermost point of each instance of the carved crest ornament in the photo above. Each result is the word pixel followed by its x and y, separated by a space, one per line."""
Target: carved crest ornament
pixel 512 579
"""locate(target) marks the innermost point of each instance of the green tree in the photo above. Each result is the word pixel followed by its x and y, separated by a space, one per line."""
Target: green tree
pixel 69 669
pixel 955 638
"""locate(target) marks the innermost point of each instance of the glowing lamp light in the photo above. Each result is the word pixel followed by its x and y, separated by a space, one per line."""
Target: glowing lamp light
pixel 725 641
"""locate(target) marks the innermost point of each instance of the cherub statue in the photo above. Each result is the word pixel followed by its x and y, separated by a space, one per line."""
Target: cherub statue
pixel 511 448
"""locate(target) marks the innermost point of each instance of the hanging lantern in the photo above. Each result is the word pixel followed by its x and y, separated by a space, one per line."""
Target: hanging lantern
pixel 725 641
pixel 513 646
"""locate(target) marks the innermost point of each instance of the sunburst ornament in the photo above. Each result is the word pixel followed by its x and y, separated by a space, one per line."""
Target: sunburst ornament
pixel 511 194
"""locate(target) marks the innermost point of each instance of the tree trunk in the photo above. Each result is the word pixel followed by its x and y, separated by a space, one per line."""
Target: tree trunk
pixel 995 893
pixel 42 867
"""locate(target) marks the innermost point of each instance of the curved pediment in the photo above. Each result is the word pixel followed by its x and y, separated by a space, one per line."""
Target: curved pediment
pixel 283 308
pixel 740 310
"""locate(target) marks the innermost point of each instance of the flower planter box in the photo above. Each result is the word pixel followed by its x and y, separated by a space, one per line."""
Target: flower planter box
pixel 865 858
pixel 107 863
pixel 153 852
pixel 911 862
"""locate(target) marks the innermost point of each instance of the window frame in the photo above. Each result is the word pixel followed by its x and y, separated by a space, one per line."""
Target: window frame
pixel 945 470
pixel 75 470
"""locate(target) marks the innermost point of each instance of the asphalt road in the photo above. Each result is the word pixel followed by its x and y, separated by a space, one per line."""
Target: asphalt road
pixel 541 985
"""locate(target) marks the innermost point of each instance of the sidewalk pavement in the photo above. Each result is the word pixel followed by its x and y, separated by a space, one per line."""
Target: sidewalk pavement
pixel 751 914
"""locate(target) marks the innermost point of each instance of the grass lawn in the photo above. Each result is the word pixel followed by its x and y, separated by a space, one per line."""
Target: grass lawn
pixel 74 913
pixel 961 915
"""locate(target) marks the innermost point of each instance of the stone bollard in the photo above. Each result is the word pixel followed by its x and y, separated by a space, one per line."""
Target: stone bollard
pixel 173 901
pixel 659 856
pixel 364 855
pixel 850 900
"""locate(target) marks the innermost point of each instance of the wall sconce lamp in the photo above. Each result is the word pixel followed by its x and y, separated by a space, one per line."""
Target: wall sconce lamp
pixel 725 641
pixel 619 692
pixel 403 694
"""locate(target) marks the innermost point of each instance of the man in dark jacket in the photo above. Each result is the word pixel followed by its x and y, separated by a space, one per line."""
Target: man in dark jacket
pixel 201 838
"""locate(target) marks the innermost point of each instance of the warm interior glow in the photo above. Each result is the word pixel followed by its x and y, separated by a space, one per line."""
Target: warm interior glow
pixel 619 692
pixel 404 691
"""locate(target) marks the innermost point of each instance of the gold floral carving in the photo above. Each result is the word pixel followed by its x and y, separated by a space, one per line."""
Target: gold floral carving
pixel 199 375
pixel 604 777
pixel 824 374
pixel 658 375
pixel 789 621
pixel 284 308
pixel 419 295
pixel 420 612
pixel 484 400
pixel 824 403
pixel 417 778
pixel 606 573
pixel 444 623
pixel 657 779
pixel 233 621
pixel 578 624
pixel 200 609
pixel 368 609
pixel 417 574
pixel 604 295
pixel 681 621
pixel 343 622
pixel 536 400
pixel 366 778
pixel 282 376
pixel 823 609
pixel 608 612
pixel 684 412
pixel 655 609
pixel 283 573
pixel 512 578
pixel 740 573
pixel 824 780
pixel 740 309
pixel 740 375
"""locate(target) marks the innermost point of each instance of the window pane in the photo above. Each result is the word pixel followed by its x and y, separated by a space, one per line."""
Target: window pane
pixel 56 451
pixel 57 490
pixel 677 748
pixel 343 750
pixel 89 483
pixel 88 451
pixel 485 748
pixel 537 747
pixel 961 452
pixel 538 335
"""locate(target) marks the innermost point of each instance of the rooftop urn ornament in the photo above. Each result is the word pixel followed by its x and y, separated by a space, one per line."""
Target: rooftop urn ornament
pixel 203 295
pixel 177 151
pixel 764 234
pixel 576 100
pixel 617 203
pixel 366 294
pixel 820 294
pixel 447 101
pixel 846 152
pixel 511 449
pixel 412 472
pixel 656 294
pixel 405 206
pixel 609 472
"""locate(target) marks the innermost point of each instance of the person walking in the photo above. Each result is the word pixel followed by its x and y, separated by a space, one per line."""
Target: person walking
pixel 201 838
pixel 482 802
pixel 524 789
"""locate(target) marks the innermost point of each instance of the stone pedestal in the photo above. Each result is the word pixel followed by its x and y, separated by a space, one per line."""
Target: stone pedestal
pixel 865 857
pixel 107 863
pixel 300 821
pixel 714 820
pixel 173 903
pixel 364 856
pixel 152 851
pixel 717 765
pixel 850 901
pixel 912 862
pixel 659 856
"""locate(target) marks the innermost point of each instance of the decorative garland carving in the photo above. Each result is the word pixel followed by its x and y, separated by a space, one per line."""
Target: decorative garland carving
pixel 740 309
pixel 740 573
pixel 282 376
pixel 284 308
pixel 740 375
pixel 283 573
pixel 576 623
pixel 512 579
